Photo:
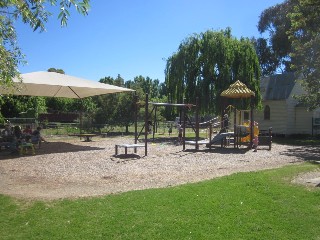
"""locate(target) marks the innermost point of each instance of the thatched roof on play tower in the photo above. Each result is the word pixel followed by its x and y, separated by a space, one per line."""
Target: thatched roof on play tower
pixel 237 90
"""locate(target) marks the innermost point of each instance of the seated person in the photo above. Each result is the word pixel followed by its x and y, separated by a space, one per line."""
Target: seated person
pixel 224 124
pixel 17 132
pixel 7 137
pixel 36 137
pixel 16 140
pixel 7 132
pixel 27 132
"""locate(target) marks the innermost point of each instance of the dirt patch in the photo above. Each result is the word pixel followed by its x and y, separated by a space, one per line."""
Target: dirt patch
pixel 70 168
pixel 311 179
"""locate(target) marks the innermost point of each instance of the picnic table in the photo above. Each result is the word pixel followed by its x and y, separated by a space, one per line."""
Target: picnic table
pixel 21 145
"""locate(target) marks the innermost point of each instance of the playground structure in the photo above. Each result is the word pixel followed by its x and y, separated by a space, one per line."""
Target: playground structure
pixel 239 90
pixel 239 136
pixel 243 133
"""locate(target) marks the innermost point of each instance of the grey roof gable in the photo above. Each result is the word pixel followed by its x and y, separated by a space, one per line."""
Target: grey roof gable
pixel 279 86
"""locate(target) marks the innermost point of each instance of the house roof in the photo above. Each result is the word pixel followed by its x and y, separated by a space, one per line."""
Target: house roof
pixel 279 86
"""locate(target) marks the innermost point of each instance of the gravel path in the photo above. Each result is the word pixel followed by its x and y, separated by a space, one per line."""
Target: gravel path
pixel 70 168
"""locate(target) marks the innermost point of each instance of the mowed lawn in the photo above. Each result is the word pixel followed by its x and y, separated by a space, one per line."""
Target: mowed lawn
pixel 256 205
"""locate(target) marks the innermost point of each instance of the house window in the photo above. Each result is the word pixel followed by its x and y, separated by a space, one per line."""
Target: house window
pixel 267 112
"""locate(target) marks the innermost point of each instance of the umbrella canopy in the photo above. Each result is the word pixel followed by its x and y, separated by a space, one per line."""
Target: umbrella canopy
pixel 52 84
pixel 237 90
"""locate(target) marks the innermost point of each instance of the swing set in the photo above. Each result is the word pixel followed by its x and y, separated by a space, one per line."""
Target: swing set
pixel 184 119
pixel 147 123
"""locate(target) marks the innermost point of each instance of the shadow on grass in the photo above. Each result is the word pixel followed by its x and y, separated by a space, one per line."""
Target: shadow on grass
pixel 51 148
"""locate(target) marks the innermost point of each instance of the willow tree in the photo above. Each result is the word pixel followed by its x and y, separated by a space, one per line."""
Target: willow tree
pixel 206 64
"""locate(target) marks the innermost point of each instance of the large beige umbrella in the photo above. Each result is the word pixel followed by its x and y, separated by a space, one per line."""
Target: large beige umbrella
pixel 237 90
pixel 52 84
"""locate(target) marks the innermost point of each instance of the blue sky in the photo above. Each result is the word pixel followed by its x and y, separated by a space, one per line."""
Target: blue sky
pixel 132 37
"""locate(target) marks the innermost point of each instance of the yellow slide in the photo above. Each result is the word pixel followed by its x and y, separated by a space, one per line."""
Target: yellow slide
pixel 255 131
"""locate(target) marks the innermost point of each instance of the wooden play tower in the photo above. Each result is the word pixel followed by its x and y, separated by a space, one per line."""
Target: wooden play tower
pixel 240 90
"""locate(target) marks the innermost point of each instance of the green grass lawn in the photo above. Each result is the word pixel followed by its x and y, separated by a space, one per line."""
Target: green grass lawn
pixel 257 205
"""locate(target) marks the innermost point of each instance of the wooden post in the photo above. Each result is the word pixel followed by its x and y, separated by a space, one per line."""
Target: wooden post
pixel 197 123
pixel 184 127
pixel 135 100
pixel 154 129
pixel 235 134
pixel 210 134
pixel 312 126
pixel 251 122
pixel 146 126
pixel 270 137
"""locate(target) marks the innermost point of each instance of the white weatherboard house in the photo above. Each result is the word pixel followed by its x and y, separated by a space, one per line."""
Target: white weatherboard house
pixel 282 111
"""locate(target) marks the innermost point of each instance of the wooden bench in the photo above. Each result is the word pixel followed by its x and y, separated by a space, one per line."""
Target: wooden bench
pixel 265 138
pixel 126 146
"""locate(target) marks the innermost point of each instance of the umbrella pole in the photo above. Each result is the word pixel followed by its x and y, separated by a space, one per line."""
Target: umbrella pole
pixel 81 113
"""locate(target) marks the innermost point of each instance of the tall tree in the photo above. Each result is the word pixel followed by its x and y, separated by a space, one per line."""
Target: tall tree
pixel 305 37
pixel 276 23
pixel 147 85
pixel 124 114
pixel 106 105
pixel 293 28
pixel 33 13
pixel 268 60
pixel 57 70
pixel 14 106
pixel 206 64
pixel 114 109
pixel 117 109
pixel 119 81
